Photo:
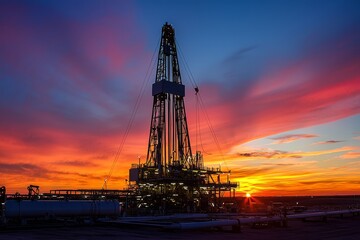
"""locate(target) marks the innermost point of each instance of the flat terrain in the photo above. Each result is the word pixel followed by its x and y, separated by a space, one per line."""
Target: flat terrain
pixel 335 228
pixel 347 228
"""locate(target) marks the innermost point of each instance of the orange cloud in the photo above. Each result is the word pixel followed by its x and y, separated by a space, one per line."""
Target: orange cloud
pixel 351 155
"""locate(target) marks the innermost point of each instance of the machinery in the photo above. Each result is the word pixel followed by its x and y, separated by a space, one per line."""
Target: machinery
pixel 173 179
pixel 2 204
pixel 60 208
pixel 35 207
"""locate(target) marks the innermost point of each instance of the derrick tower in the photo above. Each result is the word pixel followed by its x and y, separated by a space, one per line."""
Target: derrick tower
pixel 172 178
pixel 169 142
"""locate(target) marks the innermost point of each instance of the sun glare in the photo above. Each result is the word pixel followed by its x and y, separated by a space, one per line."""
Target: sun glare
pixel 248 195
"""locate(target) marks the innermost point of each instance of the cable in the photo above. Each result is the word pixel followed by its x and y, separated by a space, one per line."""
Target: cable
pixel 187 69
pixel 201 141
pixel 202 106
pixel 211 128
pixel 132 117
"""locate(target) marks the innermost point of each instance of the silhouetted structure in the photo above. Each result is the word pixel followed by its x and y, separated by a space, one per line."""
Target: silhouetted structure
pixel 173 179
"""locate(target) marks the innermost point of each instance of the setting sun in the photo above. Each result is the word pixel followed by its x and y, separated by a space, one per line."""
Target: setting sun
pixel 248 195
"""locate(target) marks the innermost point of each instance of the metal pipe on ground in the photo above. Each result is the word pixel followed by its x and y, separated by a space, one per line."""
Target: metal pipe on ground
pixel 60 208
pixel 322 214
pixel 206 224
pixel 239 221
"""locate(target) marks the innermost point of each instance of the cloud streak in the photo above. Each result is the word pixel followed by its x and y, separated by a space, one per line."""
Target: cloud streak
pixel 25 169
pixel 351 155
pixel 328 142
pixel 276 154
pixel 292 138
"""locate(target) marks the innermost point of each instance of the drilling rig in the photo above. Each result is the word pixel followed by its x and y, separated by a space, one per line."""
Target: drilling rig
pixel 173 179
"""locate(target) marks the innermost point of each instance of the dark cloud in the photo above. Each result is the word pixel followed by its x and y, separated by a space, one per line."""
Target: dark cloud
pixel 238 55
pixel 77 163
pixel 269 154
pixel 329 142
pixel 279 164
pixel 37 139
pixel 76 175
pixel 35 171
pixel 24 169
pixel 247 171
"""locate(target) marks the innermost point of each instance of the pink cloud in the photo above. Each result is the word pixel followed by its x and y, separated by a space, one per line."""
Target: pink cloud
pixel 321 86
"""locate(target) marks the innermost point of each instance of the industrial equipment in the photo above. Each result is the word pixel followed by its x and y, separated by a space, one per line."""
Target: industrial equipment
pixel 60 208
pixel 173 179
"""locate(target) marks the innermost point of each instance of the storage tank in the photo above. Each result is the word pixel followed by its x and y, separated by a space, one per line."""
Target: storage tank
pixel 61 208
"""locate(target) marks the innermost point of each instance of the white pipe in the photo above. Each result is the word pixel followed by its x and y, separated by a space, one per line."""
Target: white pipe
pixel 60 208
pixel 322 214
pixel 238 221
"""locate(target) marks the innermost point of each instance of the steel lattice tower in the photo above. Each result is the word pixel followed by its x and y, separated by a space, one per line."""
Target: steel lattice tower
pixel 172 179
pixel 169 142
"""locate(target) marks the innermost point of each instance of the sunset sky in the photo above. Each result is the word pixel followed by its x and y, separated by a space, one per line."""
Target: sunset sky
pixel 280 81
